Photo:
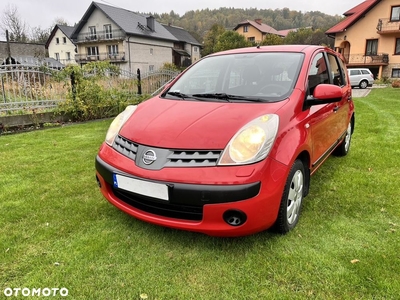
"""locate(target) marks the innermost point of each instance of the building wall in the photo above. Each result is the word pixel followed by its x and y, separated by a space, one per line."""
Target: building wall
pixel 147 54
pixel 62 48
pixel 366 28
pixel 17 49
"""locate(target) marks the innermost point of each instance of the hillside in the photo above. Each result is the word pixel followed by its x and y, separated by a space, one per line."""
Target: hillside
pixel 199 21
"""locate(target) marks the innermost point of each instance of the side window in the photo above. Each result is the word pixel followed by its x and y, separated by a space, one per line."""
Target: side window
pixel 343 68
pixel 318 73
pixel 354 72
pixel 336 71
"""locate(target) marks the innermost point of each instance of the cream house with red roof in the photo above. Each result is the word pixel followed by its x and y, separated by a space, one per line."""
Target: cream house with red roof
pixel 255 31
pixel 369 36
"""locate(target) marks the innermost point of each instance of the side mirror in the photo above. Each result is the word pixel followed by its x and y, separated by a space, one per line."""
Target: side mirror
pixel 328 92
pixel 325 93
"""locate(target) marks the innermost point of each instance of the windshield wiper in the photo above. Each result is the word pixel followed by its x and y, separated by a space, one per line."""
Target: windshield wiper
pixel 178 94
pixel 227 97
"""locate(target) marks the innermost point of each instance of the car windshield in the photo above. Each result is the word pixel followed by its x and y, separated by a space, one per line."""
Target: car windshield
pixel 252 77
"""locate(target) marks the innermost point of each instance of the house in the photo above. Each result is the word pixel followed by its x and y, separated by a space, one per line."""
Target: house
pixel 187 49
pixel 255 31
pixel 128 39
pixel 60 45
pixel 369 36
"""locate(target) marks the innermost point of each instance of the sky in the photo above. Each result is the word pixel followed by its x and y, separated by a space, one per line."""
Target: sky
pixel 43 13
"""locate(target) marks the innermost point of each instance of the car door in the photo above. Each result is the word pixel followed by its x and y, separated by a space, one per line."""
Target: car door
pixel 327 121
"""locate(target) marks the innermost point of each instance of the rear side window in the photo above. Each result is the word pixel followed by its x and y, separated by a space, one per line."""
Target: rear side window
pixel 365 72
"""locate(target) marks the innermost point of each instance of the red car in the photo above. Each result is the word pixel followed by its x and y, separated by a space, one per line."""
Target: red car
pixel 228 147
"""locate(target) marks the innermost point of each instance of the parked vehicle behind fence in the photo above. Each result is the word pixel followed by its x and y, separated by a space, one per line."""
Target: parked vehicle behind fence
pixel 228 147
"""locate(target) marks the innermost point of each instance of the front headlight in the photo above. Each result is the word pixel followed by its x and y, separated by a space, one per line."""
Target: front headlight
pixel 118 122
pixel 252 142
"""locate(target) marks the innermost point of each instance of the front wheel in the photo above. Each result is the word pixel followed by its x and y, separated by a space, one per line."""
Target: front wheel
pixel 292 198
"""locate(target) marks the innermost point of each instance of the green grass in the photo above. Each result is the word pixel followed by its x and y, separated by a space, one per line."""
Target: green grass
pixel 56 230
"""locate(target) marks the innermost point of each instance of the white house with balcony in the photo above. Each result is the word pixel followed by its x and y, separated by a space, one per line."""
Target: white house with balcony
pixel 60 46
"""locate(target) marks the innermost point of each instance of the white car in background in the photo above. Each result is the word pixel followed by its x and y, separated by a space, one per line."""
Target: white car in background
pixel 361 77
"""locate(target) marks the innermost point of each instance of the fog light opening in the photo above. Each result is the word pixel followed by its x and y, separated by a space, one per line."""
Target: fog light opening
pixel 234 217
pixel 98 181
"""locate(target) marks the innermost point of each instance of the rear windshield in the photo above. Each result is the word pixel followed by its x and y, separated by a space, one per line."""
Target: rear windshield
pixel 240 77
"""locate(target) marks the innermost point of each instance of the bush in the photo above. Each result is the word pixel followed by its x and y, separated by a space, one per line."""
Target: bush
pixel 396 83
pixel 97 92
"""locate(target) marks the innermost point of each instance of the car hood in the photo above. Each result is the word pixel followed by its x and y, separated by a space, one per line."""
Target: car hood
pixel 180 124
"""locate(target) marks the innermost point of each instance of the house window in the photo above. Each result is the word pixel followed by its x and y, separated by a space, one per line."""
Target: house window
pixel 112 51
pixel 245 28
pixel 151 68
pixel 57 41
pixel 68 55
pixel 372 47
pixel 92 52
pixel 397 50
pixel 57 55
pixel 64 40
pixel 151 51
pixel 251 39
pixel 108 31
pixel 195 49
pixel 92 32
pixel 395 73
pixel 395 15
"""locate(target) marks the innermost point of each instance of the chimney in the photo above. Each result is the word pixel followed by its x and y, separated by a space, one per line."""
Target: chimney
pixel 150 23
pixel 258 21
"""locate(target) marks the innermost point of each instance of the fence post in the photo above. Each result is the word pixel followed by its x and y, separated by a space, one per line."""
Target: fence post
pixel 139 82
pixel 73 85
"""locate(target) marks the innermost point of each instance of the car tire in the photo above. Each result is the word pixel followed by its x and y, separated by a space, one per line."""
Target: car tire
pixel 292 198
pixel 363 84
pixel 344 146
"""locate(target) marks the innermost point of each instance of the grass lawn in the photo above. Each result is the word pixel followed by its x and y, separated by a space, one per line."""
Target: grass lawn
pixel 57 231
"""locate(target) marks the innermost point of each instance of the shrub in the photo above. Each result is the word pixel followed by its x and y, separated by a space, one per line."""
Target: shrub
pixel 97 92
pixel 396 83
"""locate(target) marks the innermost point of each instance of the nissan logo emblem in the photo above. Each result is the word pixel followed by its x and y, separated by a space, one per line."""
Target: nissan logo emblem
pixel 149 157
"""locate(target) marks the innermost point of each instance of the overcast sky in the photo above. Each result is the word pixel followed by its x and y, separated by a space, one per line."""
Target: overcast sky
pixel 43 12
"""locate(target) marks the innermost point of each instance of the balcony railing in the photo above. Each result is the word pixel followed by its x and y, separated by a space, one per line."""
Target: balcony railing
pixel 99 36
pixel 386 26
pixel 112 57
pixel 378 59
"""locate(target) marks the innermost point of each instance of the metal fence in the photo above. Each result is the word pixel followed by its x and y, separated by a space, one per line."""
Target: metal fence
pixel 28 87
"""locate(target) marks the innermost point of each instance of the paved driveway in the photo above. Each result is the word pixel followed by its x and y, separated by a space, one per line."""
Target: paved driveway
pixel 358 93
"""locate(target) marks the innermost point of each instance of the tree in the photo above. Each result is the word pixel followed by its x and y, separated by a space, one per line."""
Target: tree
pixel 272 39
pixel 39 35
pixel 211 39
pixel 12 22
pixel 231 40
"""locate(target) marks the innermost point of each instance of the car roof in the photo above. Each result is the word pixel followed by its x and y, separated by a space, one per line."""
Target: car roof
pixel 275 48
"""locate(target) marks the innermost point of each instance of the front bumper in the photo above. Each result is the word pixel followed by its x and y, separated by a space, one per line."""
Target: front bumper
pixel 197 206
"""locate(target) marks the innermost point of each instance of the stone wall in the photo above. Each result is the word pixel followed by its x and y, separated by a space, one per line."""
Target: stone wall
pixel 17 49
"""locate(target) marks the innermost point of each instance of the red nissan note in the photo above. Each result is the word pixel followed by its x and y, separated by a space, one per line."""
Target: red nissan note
pixel 228 147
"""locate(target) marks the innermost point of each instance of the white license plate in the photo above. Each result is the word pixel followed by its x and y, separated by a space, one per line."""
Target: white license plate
pixel 145 188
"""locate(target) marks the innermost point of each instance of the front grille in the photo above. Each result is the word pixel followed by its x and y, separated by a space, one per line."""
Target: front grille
pixel 174 158
pixel 125 147
pixel 183 212
pixel 193 158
